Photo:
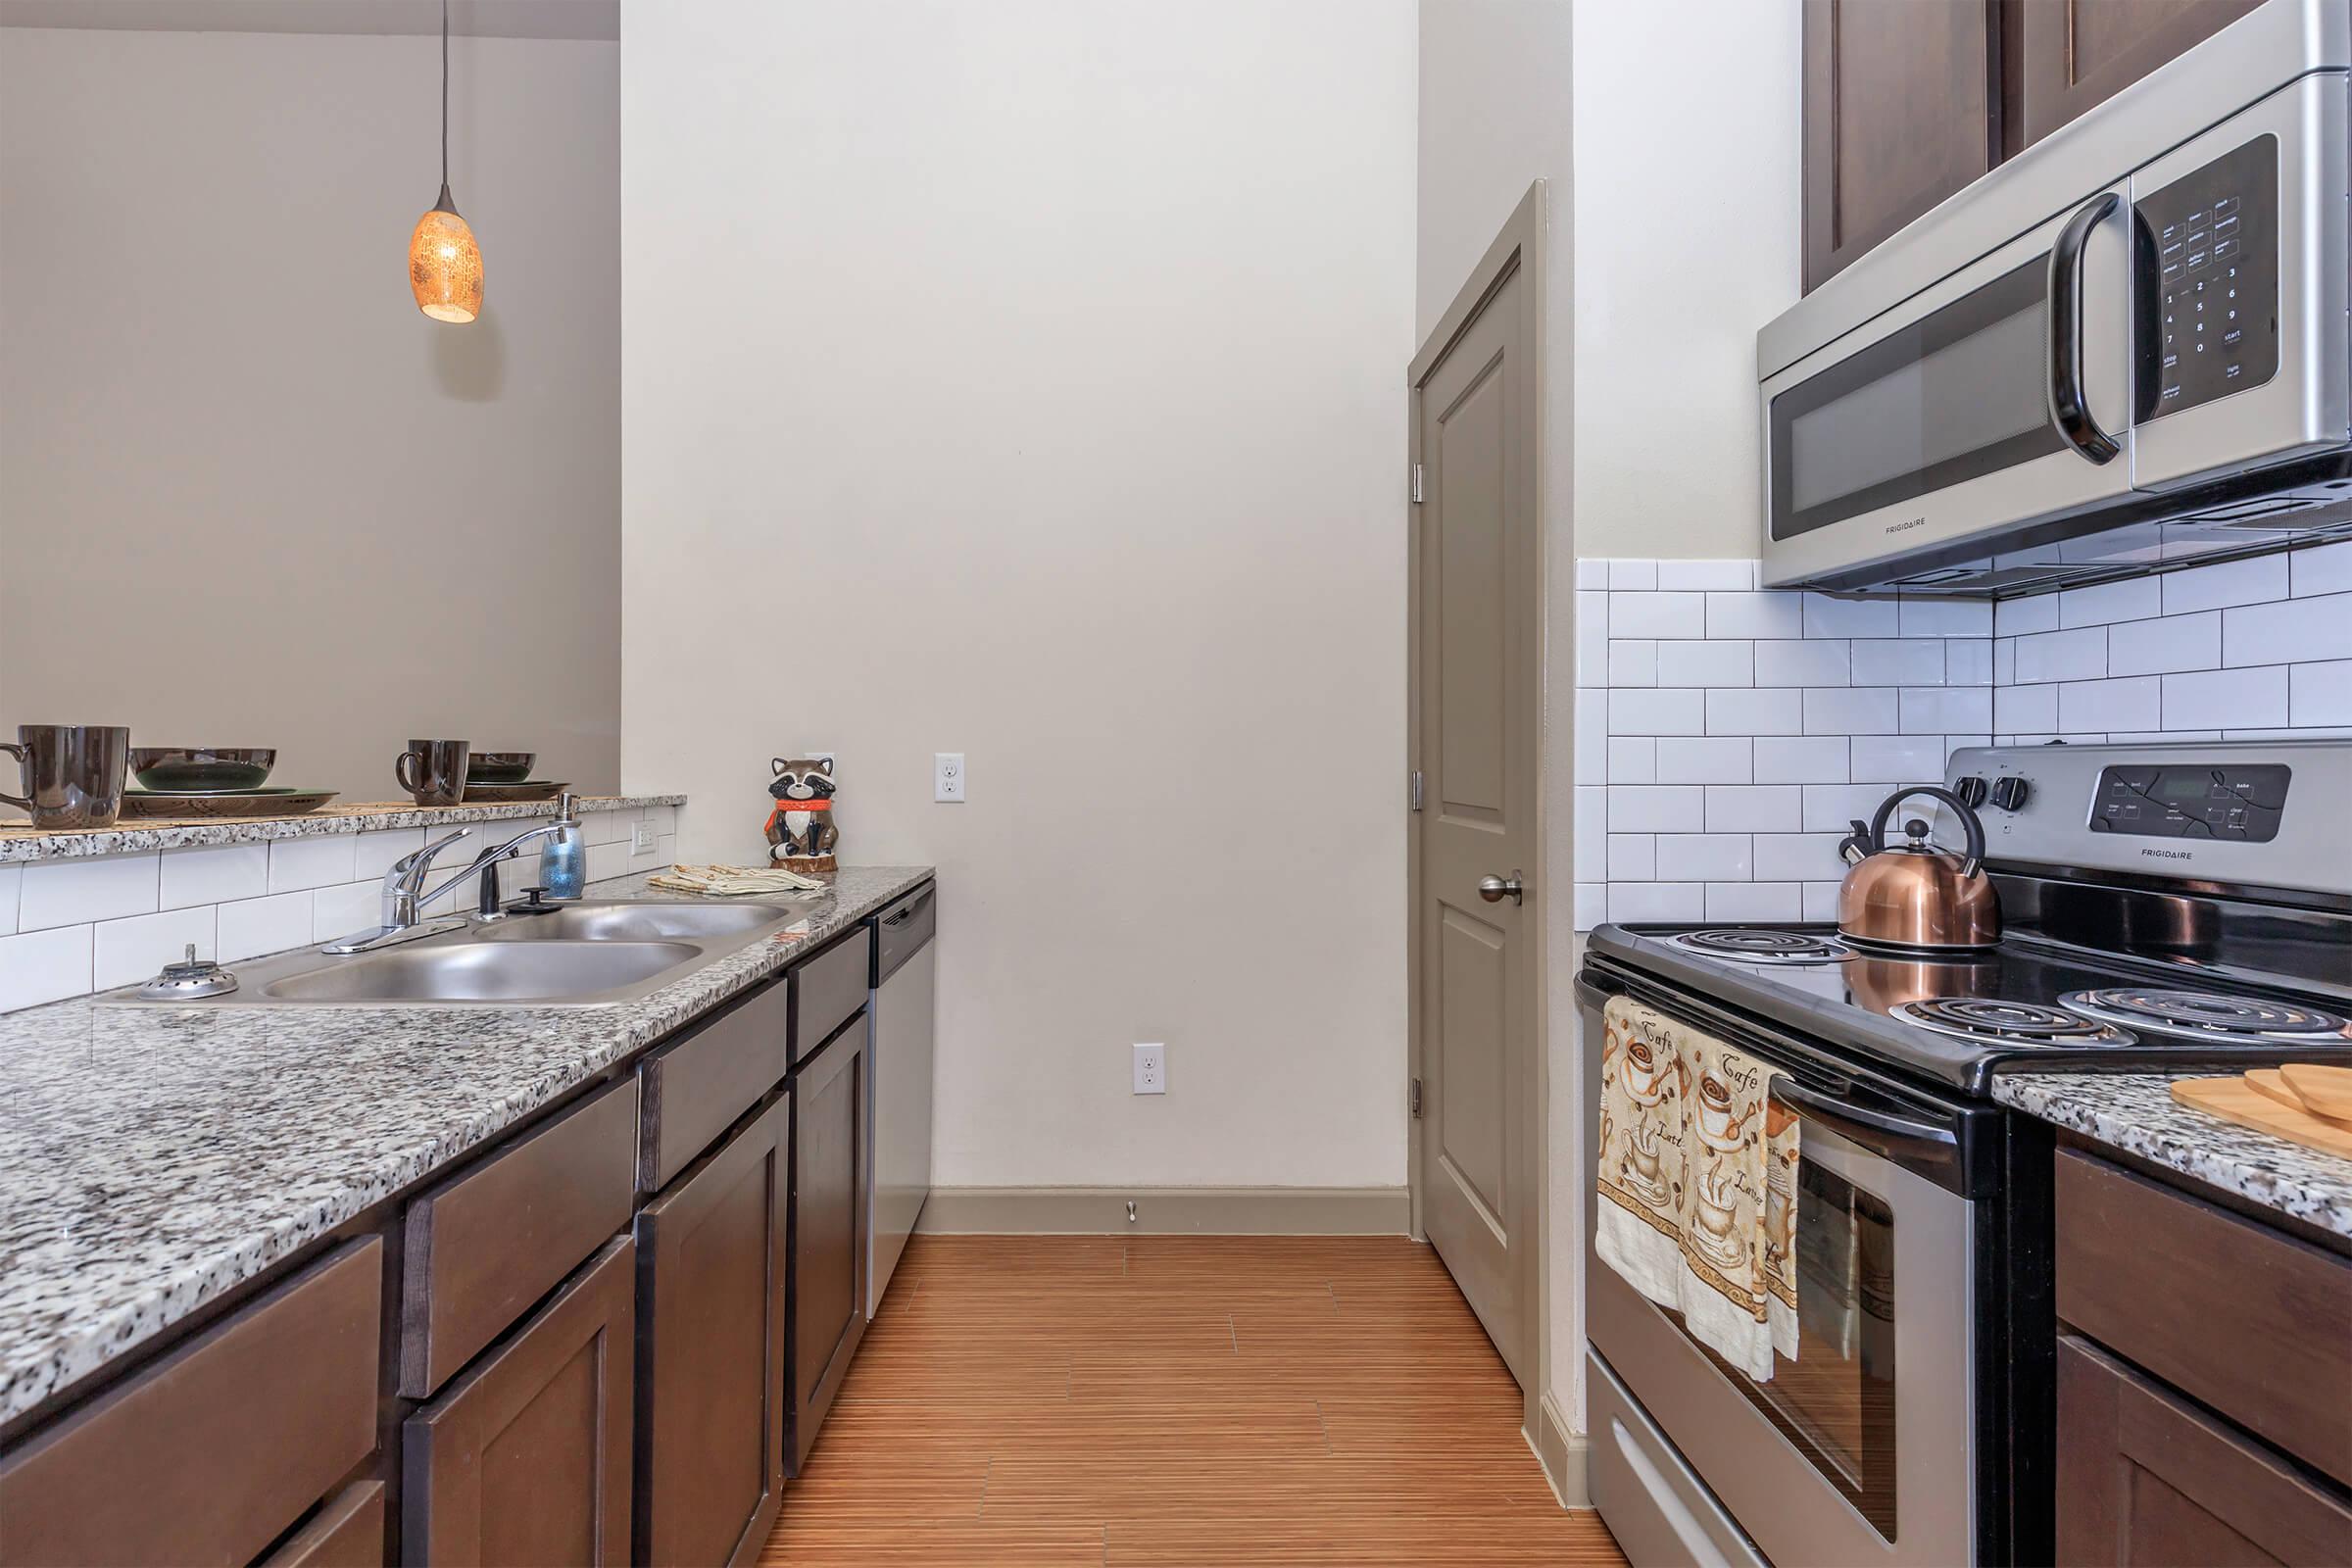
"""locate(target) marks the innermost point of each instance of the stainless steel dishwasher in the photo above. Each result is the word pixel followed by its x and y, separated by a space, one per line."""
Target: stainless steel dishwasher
pixel 905 1000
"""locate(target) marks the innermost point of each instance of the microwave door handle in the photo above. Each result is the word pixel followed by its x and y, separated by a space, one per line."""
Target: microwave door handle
pixel 1892 1137
pixel 2069 407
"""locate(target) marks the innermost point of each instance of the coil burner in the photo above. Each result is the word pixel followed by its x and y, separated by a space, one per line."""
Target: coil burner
pixel 2027 1023
pixel 1748 945
pixel 2208 1015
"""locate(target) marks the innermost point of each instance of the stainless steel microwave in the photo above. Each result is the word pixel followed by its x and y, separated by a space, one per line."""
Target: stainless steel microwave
pixel 2125 348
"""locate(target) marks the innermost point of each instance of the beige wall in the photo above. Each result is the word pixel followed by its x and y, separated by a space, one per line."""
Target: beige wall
pixel 1686 193
pixel 1041 397
pixel 249 494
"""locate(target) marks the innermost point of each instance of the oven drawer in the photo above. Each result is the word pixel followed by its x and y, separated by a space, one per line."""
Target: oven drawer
pixel 1652 1502
pixel 2255 1324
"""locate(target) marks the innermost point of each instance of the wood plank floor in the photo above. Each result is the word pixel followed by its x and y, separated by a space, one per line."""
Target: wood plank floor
pixel 1176 1400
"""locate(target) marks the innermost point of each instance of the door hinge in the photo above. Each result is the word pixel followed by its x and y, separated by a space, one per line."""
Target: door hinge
pixel 1415 790
pixel 1416 1098
pixel 1416 484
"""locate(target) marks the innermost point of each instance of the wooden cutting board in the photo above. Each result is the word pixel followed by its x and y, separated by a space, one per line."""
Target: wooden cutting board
pixel 2233 1100
pixel 2324 1091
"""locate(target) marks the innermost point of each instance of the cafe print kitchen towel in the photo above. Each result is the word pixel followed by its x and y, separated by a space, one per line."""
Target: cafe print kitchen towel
pixel 1697 1173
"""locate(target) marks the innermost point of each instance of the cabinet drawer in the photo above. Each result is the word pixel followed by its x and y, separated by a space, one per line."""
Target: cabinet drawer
pixel 2255 1324
pixel 905 927
pixel 210 1454
pixel 347 1531
pixel 694 1088
pixel 485 1244
pixel 827 989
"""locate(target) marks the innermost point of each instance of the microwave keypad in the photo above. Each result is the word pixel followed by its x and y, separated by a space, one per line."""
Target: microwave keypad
pixel 2215 236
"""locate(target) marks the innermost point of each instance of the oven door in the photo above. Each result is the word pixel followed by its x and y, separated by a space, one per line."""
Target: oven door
pixel 1862 1450
pixel 1980 402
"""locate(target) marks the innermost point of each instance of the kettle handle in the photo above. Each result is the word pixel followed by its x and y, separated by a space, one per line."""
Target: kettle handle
pixel 1877 836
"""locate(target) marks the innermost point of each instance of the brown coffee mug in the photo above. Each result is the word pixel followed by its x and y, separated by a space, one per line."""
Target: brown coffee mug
pixel 433 771
pixel 73 775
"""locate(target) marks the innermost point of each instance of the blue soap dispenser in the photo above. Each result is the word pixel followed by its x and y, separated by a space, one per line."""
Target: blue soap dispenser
pixel 563 858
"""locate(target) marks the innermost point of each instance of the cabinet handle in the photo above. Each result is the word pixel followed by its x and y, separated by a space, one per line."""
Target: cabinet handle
pixel 2069 406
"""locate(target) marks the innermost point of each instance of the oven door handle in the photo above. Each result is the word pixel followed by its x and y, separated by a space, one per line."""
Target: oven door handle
pixel 2069 404
pixel 1889 1136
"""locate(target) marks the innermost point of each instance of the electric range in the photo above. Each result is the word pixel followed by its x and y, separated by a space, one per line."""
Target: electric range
pixel 2165 906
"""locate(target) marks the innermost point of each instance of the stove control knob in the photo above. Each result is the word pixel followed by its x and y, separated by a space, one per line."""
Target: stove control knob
pixel 2009 793
pixel 1971 790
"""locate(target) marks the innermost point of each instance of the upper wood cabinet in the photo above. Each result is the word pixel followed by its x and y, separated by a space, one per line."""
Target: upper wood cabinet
pixel 1901 109
pixel 1906 101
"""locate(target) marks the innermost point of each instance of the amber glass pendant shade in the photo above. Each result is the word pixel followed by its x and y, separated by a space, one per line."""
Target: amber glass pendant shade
pixel 445 265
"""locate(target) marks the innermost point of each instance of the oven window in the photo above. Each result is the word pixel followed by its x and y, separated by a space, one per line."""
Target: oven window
pixel 1955 395
pixel 1835 1403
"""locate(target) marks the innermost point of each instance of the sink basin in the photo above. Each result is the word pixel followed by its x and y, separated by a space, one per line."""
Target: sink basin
pixel 636 922
pixel 480 971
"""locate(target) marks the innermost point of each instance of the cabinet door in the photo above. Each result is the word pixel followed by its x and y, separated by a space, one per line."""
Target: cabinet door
pixel 712 1265
pixel 2145 1477
pixel 524 1456
pixel 2073 53
pixel 1899 114
pixel 828 1228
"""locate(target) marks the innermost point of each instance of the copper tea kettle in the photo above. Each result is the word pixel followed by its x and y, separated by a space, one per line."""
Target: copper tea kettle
pixel 1913 895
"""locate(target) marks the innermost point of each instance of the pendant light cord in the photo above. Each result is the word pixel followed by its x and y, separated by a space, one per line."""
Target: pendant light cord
pixel 443 96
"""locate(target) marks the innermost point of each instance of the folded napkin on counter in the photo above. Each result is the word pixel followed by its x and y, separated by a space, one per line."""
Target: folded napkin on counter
pixel 1698 1184
pixel 730 880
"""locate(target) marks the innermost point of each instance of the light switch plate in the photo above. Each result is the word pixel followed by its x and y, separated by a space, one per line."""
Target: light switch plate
pixel 1151 1070
pixel 947 775
pixel 641 837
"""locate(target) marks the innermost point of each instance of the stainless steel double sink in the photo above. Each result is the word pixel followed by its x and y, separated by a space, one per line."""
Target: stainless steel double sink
pixel 580 955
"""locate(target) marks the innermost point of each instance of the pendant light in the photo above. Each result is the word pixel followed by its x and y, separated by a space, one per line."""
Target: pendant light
pixel 445 265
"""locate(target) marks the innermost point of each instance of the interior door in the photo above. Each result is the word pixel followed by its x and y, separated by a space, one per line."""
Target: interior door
pixel 1478 593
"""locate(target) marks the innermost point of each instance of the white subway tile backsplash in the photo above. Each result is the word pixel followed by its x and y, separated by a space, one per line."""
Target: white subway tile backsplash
pixel 1897 759
pixel 213 873
pixel 1592 898
pixel 2018 617
pixel 2004 660
pixel 1632 760
pixel 1707 574
pixel 1706 664
pixel 2298 630
pixel 2228 583
pixel 2222 699
pixel 1745 712
pixel 1945 709
pixel 1658 615
pixel 1703 857
pixel 1755 615
pixel 1633 661
pixel 1968 661
pixel 1755 901
pixel 1821 900
pixel 1592 737
pixel 1944 617
pixel 11 878
pixel 2020 709
pixel 2135 702
pixel 296 863
pixel 1641 575
pixel 1591 825
pixel 252 927
pixel 1706 759
pixel 1592 639
pixel 1899 661
pixel 378 851
pixel 44 965
pixel 1592 572
pixel 1828 617
pixel 2128 599
pixel 1656 808
pixel 349 906
pixel 1657 901
pixel 1801 759
pixel 55 892
pixel 2166 644
pixel 1754 808
pixel 2321 569
pixel 1852 710
pixel 1657 712
pixel 2055 656
pixel 1820 661
pixel 2320 695
pixel 1632 858
pixel 138 948
pixel 1798 857
pixel 1830 808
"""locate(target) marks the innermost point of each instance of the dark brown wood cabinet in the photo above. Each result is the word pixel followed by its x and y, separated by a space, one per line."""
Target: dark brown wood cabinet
pixel 526 1456
pixel 828 1228
pixel 712 1269
pixel 1906 101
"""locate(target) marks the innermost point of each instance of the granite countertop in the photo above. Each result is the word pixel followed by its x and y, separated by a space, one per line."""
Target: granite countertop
pixel 157 1157
pixel 21 842
pixel 2136 1113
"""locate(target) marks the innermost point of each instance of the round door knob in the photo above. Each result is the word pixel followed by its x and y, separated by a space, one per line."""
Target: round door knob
pixel 1494 888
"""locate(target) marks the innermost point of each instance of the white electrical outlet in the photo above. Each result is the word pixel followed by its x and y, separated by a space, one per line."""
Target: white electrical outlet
pixel 1151 1070
pixel 947 775
pixel 641 838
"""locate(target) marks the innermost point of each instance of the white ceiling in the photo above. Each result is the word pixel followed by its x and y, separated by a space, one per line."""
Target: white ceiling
pixel 480 19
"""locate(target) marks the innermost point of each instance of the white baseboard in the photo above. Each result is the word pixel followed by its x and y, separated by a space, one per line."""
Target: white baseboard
pixel 1562 1453
pixel 1168 1211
